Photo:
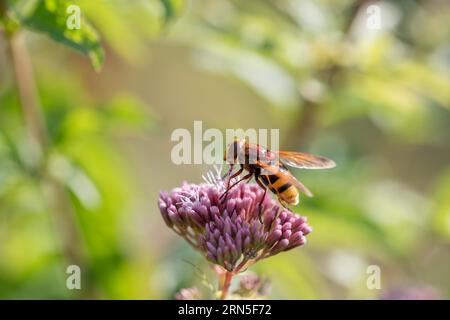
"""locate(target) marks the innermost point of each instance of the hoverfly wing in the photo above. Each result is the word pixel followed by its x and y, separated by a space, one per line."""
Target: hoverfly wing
pixel 301 187
pixel 305 160
pixel 256 153
pixel 280 170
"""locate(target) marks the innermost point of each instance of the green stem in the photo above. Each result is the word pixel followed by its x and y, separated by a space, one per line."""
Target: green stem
pixel 54 192
pixel 34 120
pixel 2 8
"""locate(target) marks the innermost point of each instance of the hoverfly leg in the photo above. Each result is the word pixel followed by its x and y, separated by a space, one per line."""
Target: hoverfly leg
pixel 231 176
pixel 228 172
pixel 262 200
pixel 284 204
pixel 247 176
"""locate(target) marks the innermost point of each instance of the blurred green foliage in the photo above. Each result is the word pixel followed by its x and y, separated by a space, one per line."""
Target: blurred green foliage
pixel 376 101
pixel 50 17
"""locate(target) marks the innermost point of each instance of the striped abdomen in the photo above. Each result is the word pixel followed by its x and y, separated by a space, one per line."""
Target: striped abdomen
pixel 285 190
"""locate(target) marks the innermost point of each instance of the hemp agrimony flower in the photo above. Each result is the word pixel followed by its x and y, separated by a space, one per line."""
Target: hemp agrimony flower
pixel 229 233
pixel 188 294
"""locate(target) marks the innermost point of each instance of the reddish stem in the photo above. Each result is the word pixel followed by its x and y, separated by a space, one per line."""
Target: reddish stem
pixel 226 284
pixel 229 276
pixel 241 265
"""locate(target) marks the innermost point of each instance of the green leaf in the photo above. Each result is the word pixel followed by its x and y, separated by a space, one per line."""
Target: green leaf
pixel 171 9
pixel 51 17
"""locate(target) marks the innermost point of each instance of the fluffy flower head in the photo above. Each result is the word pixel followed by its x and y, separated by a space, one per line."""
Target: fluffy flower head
pixel 229 233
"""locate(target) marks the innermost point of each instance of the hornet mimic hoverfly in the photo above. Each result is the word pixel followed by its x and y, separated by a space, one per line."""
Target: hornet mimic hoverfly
pixel 270 169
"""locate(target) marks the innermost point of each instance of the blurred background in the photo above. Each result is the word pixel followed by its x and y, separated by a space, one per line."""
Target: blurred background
pixel 85 153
